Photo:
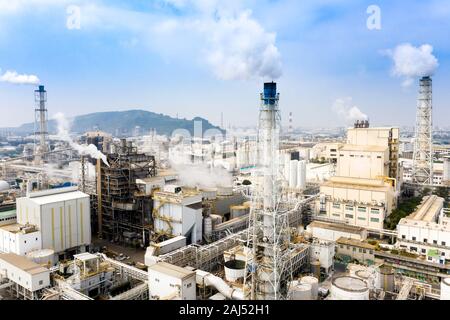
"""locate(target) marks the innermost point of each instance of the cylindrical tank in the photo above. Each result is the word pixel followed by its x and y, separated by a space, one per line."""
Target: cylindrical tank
pixel 301 175
pixel 315 268
pixel 314 282
pixel 300 292
pixel 445 289
pixel 293 174
pixel 349 288
pixel 43 257
pixel 238 211
pixel 216 219
pixel 287 165
pixel 446 176
pixel 4 186
pixel 207 226
pixel 209 193
pixel 234 270
pixel 386 279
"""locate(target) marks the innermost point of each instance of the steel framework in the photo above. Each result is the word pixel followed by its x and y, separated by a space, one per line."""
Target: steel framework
pixel 423 144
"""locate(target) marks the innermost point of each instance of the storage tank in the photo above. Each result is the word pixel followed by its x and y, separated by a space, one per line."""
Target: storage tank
pixel 287 165
pixel 238 211
pixel 314 282
pixel 349 288
pixel 293 174
pixel 209 193
pixel 234 270
pixel 315 268
pixel 446 169
pixel 207 226
pixel 445 289
pixel 386 279
pixel 43 257
pixel 301 175
pixel 4 186
pixel 300 292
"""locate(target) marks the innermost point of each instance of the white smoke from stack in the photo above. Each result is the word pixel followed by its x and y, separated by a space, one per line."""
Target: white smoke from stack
pixel 347 111
pixel 85 150
pixel 14 78
pixel 412 62
pixel 202 175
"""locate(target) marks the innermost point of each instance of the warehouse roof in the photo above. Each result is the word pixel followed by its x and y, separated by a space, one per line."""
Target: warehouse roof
pixel 337 227
pixel 171 270
pixel 355 243
pixel 23 263
pixel 45 198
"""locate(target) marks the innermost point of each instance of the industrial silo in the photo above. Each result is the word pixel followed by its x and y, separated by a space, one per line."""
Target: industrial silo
pixel 300 292
pixel 234 270
pixel 349 288
pixel 386 279
pixel 315 268
pixel 314 282
pixel 293 174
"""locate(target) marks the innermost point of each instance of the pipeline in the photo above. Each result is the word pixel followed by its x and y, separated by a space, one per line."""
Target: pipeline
pixel 211 280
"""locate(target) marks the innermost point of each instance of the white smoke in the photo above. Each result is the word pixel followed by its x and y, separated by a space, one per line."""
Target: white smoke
pixel 412 62
pixel 202 175
pixel 238 46
pixel 15 78
pixel 64 135
pixel 347 111
pixel 241 49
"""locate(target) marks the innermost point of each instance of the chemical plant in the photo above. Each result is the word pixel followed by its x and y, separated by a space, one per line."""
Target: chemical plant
pixel 265 216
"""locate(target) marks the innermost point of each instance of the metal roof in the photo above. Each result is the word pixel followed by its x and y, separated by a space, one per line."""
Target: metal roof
pixel 67 196
pixel 23 263
pixel 172 270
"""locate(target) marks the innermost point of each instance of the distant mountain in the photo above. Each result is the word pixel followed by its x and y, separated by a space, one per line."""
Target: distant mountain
pixel 124 122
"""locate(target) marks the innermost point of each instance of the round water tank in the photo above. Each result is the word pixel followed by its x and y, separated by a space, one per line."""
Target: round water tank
pixel 386 279
pixel 445 289
pixel 4 186
pixel 43 257
pixel 314 282
pixel 293 174
pixel 234 270
pixel 349 288
pixel 301 292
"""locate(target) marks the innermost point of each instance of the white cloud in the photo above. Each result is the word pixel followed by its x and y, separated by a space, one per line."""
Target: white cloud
pixel 347 111
pixel 15 78
pixel 412 62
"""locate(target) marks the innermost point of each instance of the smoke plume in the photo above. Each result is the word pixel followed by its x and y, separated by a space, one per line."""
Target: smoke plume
pixel 203 176
pixel 86 150
pixel 15 78
pixel 347 111
pixel 412 62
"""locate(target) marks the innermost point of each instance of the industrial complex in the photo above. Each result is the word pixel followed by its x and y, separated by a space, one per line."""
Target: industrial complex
pixel 268 216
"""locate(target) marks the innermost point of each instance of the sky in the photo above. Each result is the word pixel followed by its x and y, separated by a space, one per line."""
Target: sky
pixel 333 59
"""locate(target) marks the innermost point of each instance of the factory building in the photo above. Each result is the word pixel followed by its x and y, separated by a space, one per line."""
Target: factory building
pixel 56 219
pixel 26 277
pixel 178 212
pixel 363 191
pixel 427 230
pixel 170 282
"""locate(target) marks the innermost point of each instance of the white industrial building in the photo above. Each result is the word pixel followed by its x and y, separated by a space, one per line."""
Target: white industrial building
pixel 363 191
pixel 324 252
pixel 178 212
pixel 19 239
pixel 61 217
pixel 170 282
pixel 28 276
pixel 428 228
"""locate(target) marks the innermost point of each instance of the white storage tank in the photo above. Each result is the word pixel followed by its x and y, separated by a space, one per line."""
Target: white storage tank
pixel 314 282
pixel 44 257
pixel 446 169
pixel 287 165
pixel 207 226
pixel 349 288
pixel 445 289
pixel 234 270
pixel 301 175
pixel 300 292
pixel 386 279
pixel 293 174
pixel 4 186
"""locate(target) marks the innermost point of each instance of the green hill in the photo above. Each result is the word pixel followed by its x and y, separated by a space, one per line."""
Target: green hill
pixel 123 122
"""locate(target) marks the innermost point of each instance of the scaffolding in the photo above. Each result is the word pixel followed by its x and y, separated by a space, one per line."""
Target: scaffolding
pixel 123 211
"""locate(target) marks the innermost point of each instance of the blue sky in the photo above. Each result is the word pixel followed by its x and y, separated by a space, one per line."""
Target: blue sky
pixel 204 57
